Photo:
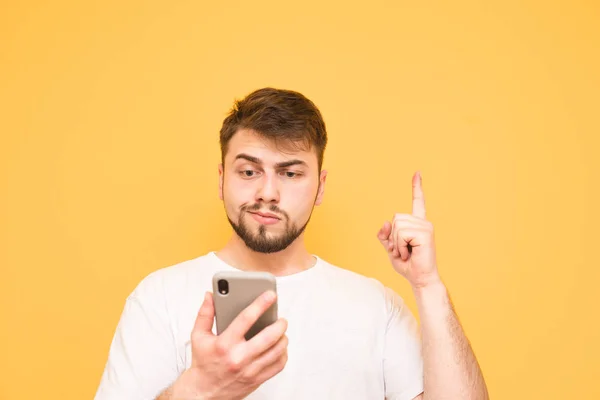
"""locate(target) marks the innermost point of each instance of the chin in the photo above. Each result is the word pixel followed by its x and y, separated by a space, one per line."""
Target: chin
pixel 269 234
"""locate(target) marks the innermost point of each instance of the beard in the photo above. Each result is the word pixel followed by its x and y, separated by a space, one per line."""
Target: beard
pixel 259 241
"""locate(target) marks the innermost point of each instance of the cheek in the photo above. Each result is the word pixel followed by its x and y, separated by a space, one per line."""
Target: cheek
pixel 232 201
pixel 301 202
pixel 237 194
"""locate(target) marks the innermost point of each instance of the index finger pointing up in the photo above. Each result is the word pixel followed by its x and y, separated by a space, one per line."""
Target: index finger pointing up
pixel 418 208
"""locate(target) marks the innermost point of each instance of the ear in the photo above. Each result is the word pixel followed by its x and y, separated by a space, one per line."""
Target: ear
pixel 221 181
pixel 321 191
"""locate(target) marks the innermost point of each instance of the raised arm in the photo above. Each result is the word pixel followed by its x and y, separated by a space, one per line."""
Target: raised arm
pixel 450 368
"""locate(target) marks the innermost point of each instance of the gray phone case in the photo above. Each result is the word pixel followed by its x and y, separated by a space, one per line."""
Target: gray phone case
pixel 244 288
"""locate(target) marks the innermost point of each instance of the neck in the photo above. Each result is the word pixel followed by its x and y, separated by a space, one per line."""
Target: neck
pixel 295 258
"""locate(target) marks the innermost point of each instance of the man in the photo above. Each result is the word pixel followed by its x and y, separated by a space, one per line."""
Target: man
pixel 340 335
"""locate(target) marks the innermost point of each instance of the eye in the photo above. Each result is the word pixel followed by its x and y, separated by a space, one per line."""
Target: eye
pixel 247 173
pixel 291 174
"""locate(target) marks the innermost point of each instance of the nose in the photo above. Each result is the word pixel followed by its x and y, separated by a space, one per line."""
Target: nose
pixel 268 191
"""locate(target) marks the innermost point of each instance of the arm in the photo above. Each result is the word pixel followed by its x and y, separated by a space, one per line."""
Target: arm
pixel 450 368
pixel 141 360
pixel 183 388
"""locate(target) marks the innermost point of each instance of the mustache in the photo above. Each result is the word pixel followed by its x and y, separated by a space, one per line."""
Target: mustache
pixel 257 207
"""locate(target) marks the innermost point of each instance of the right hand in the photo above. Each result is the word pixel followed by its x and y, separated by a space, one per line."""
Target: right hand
pixel 227 366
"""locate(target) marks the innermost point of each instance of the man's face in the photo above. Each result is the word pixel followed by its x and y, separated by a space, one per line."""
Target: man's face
pixel 268 194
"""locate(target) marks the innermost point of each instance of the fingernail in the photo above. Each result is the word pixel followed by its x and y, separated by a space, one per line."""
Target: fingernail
pixel 269 295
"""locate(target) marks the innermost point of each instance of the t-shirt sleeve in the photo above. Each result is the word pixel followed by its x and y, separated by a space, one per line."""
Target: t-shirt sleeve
pixel 402 357
pixel 142 359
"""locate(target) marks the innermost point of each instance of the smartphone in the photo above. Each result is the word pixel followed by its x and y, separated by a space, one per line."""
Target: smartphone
pixel 233 291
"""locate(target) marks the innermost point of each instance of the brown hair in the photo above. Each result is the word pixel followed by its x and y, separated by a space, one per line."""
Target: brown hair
pixel 279 115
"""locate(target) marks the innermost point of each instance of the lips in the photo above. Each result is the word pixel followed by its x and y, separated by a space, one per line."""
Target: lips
pixel 265 218
pixel 265 215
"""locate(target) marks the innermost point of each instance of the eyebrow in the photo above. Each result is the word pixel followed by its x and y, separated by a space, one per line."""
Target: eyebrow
pixel 258 161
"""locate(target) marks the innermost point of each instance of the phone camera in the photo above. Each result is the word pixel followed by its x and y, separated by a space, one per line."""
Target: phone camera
pixel 223 286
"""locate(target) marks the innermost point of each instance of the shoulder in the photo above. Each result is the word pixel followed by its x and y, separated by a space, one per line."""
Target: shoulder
pixel 363 288
pixel 359 286
pixel 366 296
pixel 177 278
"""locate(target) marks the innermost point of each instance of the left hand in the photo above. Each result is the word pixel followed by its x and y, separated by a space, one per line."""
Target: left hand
pixel 409 241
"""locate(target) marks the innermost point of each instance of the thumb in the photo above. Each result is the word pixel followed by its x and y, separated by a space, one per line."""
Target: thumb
pixel 206 315
pixel 384 234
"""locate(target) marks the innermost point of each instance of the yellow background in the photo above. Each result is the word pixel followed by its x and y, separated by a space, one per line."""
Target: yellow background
pixel 109 124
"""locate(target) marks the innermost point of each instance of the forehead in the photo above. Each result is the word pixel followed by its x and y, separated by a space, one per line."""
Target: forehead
pixel 251 143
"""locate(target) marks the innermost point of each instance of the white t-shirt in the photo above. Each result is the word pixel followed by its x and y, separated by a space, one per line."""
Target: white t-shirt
pixel 349 336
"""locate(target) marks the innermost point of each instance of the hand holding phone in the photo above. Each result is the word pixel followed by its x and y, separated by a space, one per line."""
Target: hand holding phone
pixel 227 366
